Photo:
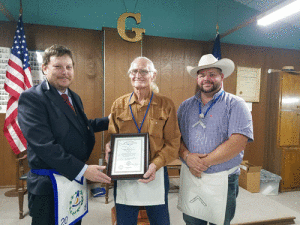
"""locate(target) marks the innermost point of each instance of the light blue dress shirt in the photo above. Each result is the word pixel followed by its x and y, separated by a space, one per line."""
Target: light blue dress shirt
pixel 227 116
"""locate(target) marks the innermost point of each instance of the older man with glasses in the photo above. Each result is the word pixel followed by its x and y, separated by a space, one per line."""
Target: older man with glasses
pixel 144 111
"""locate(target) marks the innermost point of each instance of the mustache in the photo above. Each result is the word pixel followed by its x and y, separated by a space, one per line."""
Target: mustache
pixel 139 79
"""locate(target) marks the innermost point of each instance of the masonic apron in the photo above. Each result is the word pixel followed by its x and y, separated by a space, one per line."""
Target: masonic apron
pixel 70 197
pixel 204 198
pixel 133 192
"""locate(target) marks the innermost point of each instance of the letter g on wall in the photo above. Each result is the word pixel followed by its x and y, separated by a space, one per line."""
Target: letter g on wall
pixel 121 27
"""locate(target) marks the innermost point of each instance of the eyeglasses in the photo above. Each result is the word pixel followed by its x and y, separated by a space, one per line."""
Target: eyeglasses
pixel 142 72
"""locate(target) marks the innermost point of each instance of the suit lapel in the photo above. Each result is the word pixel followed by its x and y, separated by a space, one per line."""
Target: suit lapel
pixel 78 105
pixel 55 97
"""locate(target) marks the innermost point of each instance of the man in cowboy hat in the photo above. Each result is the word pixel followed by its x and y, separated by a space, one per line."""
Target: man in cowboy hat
pixel 215 127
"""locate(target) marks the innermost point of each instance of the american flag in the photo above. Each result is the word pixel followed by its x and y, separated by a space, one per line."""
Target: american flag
pixel 217 50
pixel 217 47
pixel 18 79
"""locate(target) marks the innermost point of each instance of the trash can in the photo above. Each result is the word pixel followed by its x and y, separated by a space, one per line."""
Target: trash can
pixel 269 183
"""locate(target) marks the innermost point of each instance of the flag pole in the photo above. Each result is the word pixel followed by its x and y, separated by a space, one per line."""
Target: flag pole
pixel 14 192
pixel 21 8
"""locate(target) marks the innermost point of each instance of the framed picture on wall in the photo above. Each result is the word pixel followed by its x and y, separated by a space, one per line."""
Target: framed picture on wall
pixel 248 83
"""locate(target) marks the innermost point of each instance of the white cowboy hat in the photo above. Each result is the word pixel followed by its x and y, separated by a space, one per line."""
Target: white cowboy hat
pixel 209 61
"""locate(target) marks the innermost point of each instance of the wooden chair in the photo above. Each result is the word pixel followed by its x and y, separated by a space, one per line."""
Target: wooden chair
pixel 20 182
pixel 110 185
pixel 174 172
pixel 107 187
pixel 174 165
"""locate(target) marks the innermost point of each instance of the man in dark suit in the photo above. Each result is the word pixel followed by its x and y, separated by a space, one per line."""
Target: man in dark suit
pixel 59 135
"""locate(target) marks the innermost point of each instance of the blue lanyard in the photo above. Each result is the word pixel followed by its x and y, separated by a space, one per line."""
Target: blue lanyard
pixel 139 128
pixel 210 105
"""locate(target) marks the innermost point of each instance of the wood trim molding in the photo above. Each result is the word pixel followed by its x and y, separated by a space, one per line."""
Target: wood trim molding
pixel 280 221
pixel 6 13
pixel 251 20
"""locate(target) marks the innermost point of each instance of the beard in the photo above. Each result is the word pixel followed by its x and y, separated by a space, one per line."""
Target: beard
pixel 215 88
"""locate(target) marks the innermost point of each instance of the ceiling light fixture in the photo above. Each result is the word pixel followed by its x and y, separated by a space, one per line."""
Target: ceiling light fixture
pixel 279 13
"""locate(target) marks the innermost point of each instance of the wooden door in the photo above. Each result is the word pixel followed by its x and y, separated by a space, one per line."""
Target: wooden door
pixel 289 121
pixel 289 131
pixel 290 169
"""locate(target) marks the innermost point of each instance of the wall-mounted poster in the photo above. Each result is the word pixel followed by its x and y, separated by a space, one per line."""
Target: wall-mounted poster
pixel 4 56
pixel 35 60
pixel 248 83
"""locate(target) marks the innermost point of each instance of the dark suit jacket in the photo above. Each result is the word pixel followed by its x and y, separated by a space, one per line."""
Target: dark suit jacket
pixel 56 137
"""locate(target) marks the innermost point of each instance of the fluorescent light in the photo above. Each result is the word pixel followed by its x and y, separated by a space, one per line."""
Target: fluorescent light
pixel 279 14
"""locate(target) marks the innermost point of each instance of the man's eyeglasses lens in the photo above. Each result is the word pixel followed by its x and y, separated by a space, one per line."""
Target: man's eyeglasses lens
pixel 142 72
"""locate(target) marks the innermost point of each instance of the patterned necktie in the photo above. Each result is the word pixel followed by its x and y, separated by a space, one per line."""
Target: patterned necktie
pixel 66 100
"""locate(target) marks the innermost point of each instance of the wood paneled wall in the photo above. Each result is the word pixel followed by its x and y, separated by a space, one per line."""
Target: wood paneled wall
pixel 170 57
pixel 264 58
pixel 88 82
pixel 118 55
pixel 248 56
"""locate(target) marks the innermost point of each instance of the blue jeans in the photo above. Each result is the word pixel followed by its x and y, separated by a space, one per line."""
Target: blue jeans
pixel 233 190
pixel 157 215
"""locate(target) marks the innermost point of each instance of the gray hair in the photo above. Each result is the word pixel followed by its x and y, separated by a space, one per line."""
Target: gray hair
pixel 149 63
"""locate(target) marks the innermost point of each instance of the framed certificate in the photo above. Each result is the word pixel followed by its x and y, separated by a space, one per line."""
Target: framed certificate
pixel 129 157
pixel 248 83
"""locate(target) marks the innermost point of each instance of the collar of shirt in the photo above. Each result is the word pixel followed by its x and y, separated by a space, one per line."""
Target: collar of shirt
pixel 67 93
pixel 134 99
pixel 198 95
pixel 60 93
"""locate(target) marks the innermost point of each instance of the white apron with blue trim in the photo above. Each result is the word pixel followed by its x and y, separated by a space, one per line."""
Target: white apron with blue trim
pixel 133 192
pixel 71 200
pixel 204 198
pixel 70 197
